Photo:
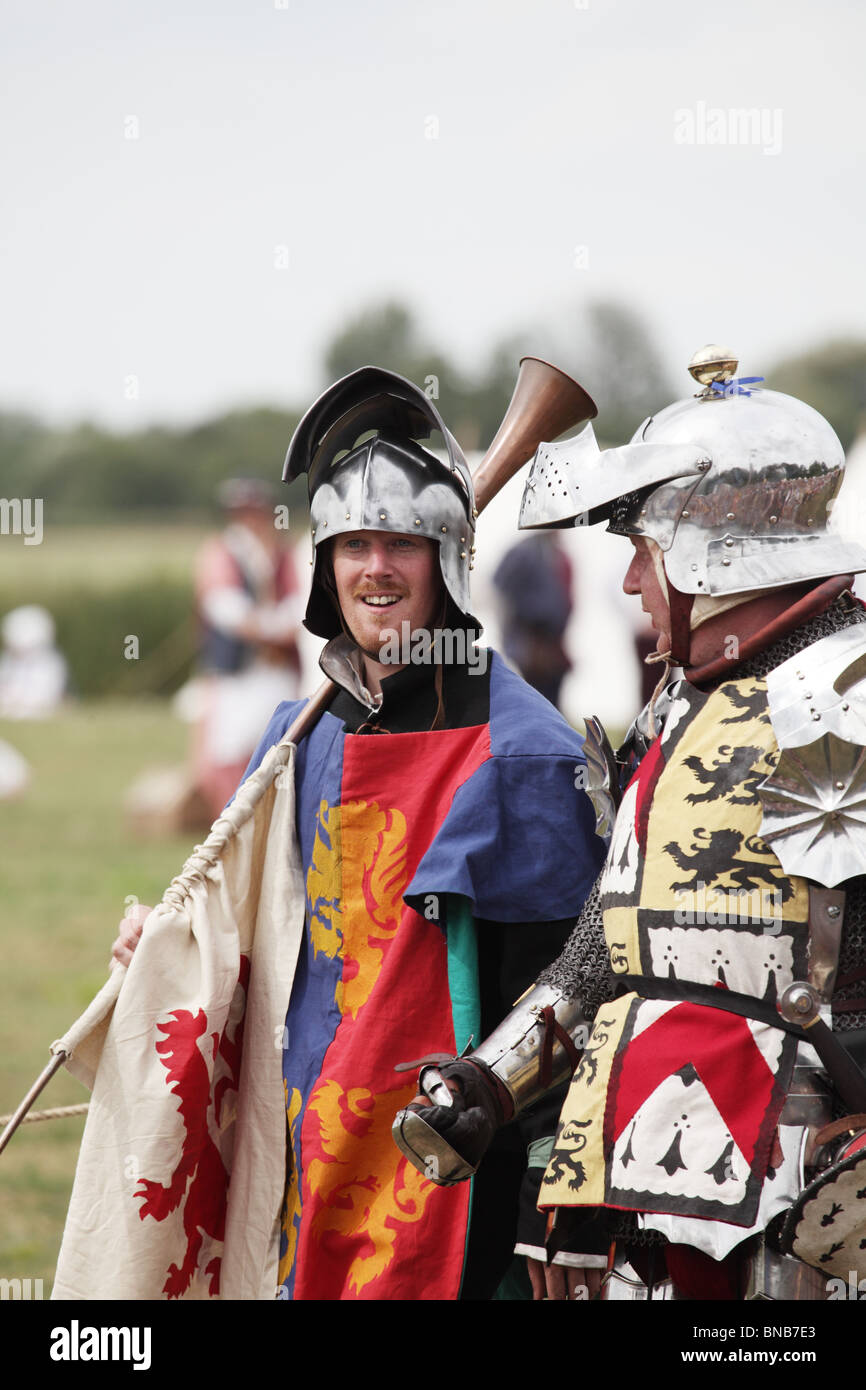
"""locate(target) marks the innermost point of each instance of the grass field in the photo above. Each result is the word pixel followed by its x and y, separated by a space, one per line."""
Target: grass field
pixel 67 864
pixel 99 556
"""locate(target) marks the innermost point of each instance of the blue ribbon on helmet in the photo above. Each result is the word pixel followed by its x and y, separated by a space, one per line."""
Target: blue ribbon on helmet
pixel 734 387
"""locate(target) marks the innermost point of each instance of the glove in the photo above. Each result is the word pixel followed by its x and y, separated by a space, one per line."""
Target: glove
pixel 448 1127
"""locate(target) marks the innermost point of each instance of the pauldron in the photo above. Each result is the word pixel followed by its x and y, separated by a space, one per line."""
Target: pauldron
pixel 814 802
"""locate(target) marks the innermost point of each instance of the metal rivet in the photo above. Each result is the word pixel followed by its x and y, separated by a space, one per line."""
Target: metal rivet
pixel 685 513
pixel 726 562
pixel 463 555
pixel 840 786
pixel 846 706
pixel 815 714
pixel 643 511
pixel 417 522
pixel 474 511
pixel 773 520
pixel 703 465
pixel 730 516
pixel 833 910
pixel 444 528
pixel 324 523
pixel 801 676
pixel 729 541
pixel 462 538
pixel 348 516
pixel 382 516
pixel 694 567
pixel 807 694
pixel 809 522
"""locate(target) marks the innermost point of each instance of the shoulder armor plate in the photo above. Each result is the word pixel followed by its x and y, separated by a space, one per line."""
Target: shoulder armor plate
pixel 815 799
pixel 602 786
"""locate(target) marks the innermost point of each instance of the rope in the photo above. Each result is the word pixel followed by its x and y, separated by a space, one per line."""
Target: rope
pixel 650 661
pixel 59 1112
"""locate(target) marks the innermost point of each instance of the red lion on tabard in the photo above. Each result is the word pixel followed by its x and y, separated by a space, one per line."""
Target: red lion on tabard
pixel 200 1177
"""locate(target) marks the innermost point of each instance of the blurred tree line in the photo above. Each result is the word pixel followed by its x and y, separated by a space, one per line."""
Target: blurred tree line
pixel 88 473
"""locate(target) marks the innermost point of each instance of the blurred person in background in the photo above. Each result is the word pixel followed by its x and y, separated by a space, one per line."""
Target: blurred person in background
pixel 33 673
pixel 249 612
pixel 534 584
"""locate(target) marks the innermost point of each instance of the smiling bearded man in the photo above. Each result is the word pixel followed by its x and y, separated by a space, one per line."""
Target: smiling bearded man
pixel 447 846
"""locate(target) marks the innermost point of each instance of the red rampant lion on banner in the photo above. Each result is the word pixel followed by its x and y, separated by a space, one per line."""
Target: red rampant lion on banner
pixel 200 1180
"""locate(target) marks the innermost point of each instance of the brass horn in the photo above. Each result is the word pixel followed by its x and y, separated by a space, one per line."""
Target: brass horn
pixel 545 404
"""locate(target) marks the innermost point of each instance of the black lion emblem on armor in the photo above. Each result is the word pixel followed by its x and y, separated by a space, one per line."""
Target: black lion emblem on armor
pixel 565 1160
pixel 714 855
pixel 753 705
pixel 731 771
pixel 587 1067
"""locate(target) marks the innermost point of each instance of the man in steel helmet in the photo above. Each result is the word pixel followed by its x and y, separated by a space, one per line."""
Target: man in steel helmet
pixel 446 843
pixel 697 1132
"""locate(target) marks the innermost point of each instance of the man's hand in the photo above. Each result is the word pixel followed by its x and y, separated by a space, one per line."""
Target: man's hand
pixel 562 1282
pixel 130 933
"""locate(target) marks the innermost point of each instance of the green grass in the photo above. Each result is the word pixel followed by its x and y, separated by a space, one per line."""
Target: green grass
pixel 100 557
pixel 67 863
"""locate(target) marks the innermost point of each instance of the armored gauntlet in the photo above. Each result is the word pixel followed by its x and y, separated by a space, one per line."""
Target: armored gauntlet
pixel 448 1128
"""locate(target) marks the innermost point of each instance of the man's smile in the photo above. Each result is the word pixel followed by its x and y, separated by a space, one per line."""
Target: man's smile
pixel 380 600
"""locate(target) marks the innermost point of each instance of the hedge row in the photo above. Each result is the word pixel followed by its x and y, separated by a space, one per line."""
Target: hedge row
pixel 137 639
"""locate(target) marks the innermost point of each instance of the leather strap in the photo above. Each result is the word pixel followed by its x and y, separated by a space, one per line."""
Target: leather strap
pixel 812 603
pixel 433 1059
pixel 746 1005
pixel 680 607
pixel 848 1124
pixel 553 1029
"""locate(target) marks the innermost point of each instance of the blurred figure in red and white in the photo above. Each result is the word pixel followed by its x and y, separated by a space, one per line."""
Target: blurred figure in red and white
pixel 249 613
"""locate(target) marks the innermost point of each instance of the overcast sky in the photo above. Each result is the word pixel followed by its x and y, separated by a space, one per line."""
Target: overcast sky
pixel 197 195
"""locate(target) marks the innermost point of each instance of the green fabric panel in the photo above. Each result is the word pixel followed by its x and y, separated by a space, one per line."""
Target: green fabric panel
pixel 539 1151
pixel 463 972
pixel 462 943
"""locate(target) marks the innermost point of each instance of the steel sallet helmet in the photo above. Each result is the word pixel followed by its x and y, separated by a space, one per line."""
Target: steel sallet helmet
pixel 734 484
pixel 366 471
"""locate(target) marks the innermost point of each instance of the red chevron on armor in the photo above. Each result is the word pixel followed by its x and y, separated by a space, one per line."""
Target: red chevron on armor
pixel 720 1047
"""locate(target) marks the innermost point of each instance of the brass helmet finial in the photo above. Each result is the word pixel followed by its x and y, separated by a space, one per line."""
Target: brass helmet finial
pixel 713 363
